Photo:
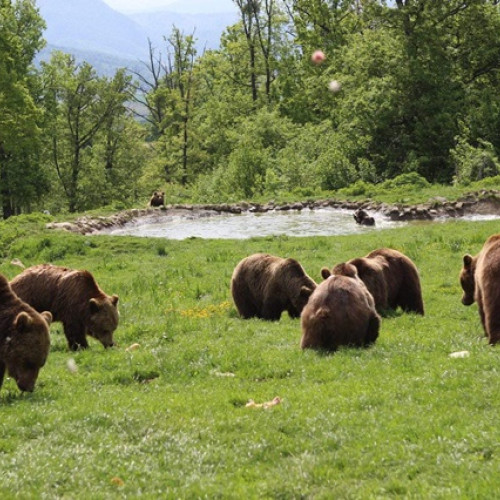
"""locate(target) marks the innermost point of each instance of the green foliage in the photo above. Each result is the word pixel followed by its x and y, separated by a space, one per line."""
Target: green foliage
pixel 92 145
pixel 168 419
pixel 474 163
pixel 419 94
pixel 22 181
pixel 411 180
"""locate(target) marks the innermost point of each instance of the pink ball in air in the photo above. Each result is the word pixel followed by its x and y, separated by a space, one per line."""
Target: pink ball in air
pixel 318 56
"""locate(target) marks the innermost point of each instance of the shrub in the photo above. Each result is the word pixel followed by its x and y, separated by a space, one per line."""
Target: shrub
pixel 473 163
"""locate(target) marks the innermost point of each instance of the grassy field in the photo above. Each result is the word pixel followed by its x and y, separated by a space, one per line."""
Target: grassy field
pixel 168 420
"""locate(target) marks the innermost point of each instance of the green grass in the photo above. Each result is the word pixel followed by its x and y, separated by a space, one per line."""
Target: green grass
pixel 399 420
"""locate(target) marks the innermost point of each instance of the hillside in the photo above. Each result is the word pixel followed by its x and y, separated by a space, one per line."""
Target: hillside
pixel 207 27
pixel 108 39
pixel 202 6
pixel 91 25
pixel 104 64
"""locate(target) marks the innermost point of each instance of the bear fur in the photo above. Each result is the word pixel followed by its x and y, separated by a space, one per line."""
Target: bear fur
pixel 391 277
pixel 264 286
pixel 340 312
pixel 479 278
pixel 74 298
pixel 157 199
pixel 361 217
pixel 24 338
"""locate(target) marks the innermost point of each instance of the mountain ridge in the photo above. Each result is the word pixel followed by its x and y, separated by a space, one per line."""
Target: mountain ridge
pixel 108 38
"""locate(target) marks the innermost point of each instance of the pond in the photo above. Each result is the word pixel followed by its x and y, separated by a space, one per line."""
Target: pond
pixel 317 222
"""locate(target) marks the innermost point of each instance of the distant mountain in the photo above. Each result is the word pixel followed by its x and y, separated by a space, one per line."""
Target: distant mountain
pixel 105 64
pixel 207 28
pixel 107 39
pixel 182 6
pixel 203 6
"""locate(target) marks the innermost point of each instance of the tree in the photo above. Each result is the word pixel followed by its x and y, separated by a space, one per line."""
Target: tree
pixel 166 91
pixel 21 179
pixel 80 106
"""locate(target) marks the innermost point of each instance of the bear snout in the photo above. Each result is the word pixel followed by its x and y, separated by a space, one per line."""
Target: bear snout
pixel 467 301
pixel 26 385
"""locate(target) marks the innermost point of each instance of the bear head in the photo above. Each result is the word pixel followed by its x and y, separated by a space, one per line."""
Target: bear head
pixel 27 349
pixel 298 284
pixel 467 279
pixel 103 319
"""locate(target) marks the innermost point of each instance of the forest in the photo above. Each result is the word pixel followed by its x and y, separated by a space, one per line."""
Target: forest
pixel 416 90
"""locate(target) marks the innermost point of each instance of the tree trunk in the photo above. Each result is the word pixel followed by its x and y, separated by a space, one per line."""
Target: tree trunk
pixel 4 189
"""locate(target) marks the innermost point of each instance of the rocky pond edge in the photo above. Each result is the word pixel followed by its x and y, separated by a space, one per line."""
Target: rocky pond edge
pixel 484 202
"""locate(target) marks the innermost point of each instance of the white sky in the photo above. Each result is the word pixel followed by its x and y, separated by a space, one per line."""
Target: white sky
pixel 128 6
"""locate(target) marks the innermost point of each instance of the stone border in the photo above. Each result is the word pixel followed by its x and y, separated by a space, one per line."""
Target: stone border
pixel 479 202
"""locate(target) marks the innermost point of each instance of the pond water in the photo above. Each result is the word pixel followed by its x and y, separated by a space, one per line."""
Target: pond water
pixel 317 222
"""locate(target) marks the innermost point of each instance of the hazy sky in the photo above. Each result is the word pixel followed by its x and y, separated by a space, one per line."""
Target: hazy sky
pixel 137 5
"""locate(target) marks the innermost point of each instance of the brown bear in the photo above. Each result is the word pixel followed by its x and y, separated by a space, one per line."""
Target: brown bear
pixel 264 286
pixel 361 217
pixel 391 277
pixel 24 338
pixel 479 278
pixel 74 298
pixel 157 199
pixel 340 312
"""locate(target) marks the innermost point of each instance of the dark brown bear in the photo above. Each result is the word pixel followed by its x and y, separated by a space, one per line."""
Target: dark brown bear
pixel 24 338
pixel 74 298
pixel 361 217
pixel 157 199
pixel 264 286
pixel 340 312
pixel 391 277
pixel 480 278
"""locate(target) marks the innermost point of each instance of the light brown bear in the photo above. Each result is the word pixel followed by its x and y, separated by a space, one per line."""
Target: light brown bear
pixel 157 199
pixel 74 298
pixel 264 286
pixel 480 279
pixel 391 277
pixel 24 338
pixel 340 312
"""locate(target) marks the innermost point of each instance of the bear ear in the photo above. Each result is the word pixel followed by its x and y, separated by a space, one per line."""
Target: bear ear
pixel 114 299
pixel 94 305
pixel 47 316
pixel 350 271
pixel 325 273
pixel 23 321
pixel 305 291
pixel 467 260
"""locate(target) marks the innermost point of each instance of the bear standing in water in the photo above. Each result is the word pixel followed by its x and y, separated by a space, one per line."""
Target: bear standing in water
pixel 361 217
pixel 24 338
pixel 74 298
pixel 264 286
pixel 340 312
pixel 480 278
